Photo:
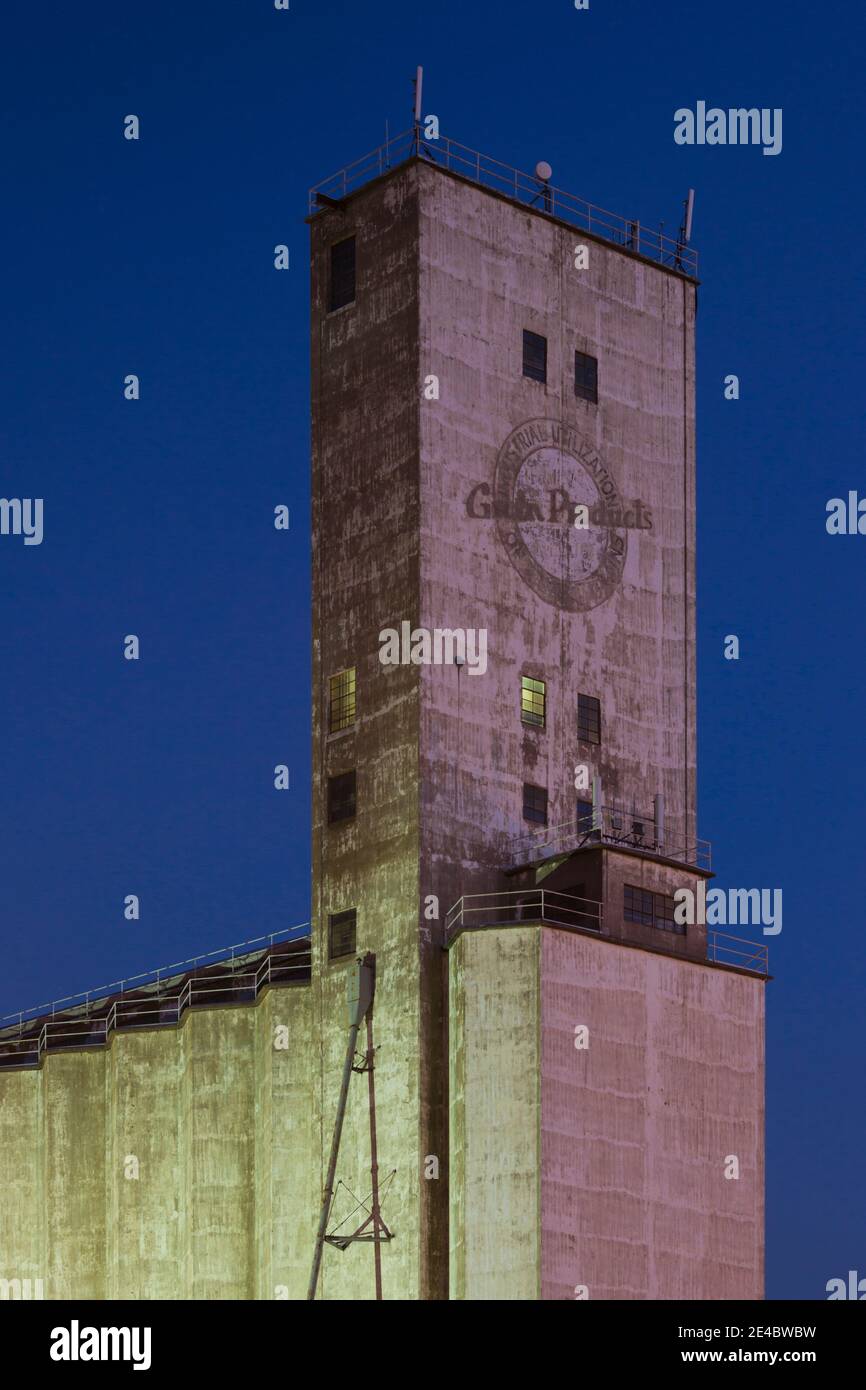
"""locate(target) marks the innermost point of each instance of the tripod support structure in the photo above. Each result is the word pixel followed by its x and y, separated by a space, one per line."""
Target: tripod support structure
pixel 373 1230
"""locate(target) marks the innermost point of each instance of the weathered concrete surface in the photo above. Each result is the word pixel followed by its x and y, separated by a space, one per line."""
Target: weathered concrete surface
pixel 448 277
pixel 287 1145
pixel 174 1164
pixel 23 1213
pixel 489 270
pixel 495 1113
pixel 635 1130
pixel 365 578
pixel 235 1139
pixel 147 1112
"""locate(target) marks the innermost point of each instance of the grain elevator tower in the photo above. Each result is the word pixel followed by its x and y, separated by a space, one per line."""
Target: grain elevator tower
pixel 503 436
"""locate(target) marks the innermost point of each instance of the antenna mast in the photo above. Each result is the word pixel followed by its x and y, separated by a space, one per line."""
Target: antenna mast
pixel 685 232
pixel 418 84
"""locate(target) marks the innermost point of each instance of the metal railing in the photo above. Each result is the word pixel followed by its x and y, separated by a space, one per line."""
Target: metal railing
pixel 627 233
pixel 160 973
pixel 475 910
pixel 160 1003
pixel 609 825
pixel 525 905
pixel 753 956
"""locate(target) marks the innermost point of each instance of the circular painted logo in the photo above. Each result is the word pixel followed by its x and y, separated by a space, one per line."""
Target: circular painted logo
pixel 553 500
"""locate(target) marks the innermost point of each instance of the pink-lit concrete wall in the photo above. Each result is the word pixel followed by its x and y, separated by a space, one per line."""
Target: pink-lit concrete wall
pixel 488 270
pixel 449 277
pixel 599 1172
pixel 627 1195
pixel 637 1130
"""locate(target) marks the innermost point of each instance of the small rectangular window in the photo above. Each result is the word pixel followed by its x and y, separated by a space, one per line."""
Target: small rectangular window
pixel 341 797
pixel 342 933
pixel 342 280
pixel 586 376
pixel 651 910
pixel 535 804
pixel 663 914
pixel 534 356
pixel 341 709
pixel 637 906
pixel 584 817
pixel 533 700
pixel 588 719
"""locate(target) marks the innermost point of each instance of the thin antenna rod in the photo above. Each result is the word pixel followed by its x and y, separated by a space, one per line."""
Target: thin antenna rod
pixel 690 207
pixel 685 232
pixel 419 84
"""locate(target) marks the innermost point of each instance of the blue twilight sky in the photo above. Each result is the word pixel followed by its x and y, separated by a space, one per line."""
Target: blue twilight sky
pixel 156 257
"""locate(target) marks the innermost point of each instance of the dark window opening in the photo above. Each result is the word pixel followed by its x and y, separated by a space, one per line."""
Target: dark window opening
pixel 534 356
pixel 589 719
pixel 342 933
pixel 533 701
pixel 584 817
pixel 341 797
pixel 342 284
pixel 586 376
pixel 651 910
pixel 535 804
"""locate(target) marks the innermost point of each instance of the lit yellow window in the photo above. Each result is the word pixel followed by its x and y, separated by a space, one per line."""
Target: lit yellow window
pixel 532 701
pixel 342 701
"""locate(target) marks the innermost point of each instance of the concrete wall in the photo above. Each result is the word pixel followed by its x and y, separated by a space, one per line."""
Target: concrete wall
pixel 448 277
pixel 635 1130
pixel 365 578
pixel 495 1115
pixel 490 269
pixel 217 1125
pixel 73 1168
pixel 23 1214
pixel 233 1137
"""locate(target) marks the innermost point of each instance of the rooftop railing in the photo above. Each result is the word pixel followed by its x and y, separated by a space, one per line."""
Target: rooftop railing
pixel 628 233
pixel 477 910
pixel 613 826
pixel 735 950
pixel 161 973
pixel 156 999
pixel 528 905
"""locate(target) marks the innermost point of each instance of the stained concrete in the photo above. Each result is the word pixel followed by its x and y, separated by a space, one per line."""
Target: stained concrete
pixel 600 1172
pixel 234 1139
pixel 365 577
pixel 448 277
pixel 495 1112
pixel 489 270
pixel 173 1164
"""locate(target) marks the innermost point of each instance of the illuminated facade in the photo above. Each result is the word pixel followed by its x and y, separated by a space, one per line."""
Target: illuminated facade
pixel 503 455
